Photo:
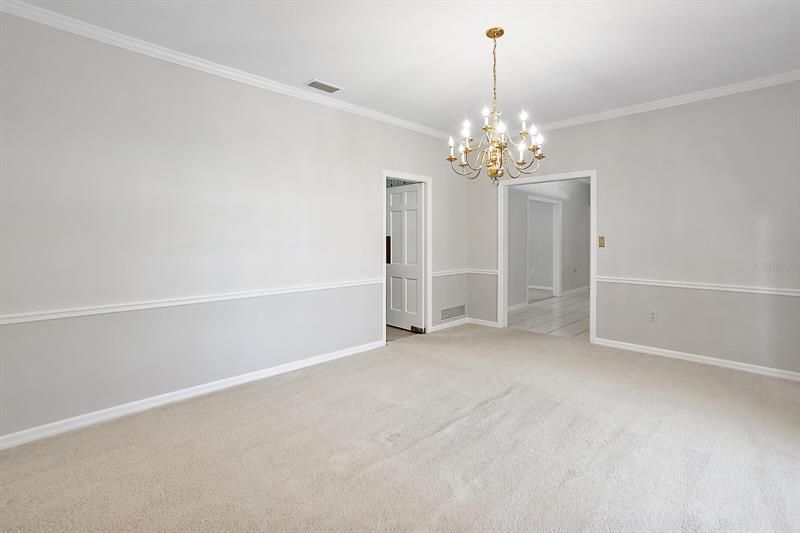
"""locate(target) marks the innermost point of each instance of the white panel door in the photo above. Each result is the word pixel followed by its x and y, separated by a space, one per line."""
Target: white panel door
pixel 405 225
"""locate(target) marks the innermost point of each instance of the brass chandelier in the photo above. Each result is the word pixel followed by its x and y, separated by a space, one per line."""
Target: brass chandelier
pixel 494 147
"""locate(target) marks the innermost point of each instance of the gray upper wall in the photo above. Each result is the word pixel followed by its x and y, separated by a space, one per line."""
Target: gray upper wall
pixel 698 192
pixel 705 192
pixel 126 178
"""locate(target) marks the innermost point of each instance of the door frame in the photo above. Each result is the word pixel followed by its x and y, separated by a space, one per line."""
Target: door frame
pixel 502 242
pixel 427 266
pixel 558 239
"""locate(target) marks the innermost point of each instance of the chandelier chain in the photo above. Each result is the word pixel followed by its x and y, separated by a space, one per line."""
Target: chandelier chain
pixel 494 74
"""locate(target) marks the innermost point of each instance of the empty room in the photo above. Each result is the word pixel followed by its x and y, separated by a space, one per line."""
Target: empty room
pixel 399 266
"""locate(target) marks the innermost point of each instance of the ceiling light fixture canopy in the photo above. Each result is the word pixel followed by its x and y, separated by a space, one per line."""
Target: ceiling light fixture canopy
pixel 493 150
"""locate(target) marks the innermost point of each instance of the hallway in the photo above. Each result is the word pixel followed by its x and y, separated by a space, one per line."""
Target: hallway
pixel 565 316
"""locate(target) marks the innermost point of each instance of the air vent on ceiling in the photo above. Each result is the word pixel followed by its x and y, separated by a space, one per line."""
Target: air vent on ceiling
pixel 322 86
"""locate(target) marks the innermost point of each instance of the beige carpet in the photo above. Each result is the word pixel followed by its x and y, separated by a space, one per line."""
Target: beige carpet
pixel 468 429
pixel 393 334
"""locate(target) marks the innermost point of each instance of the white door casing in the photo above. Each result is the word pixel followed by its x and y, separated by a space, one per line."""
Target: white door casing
pixel 405 225
pixel 502 242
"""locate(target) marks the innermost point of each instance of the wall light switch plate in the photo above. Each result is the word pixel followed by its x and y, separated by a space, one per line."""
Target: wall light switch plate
pixel 601 241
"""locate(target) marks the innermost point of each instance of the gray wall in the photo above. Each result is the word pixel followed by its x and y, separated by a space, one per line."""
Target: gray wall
pixel 540 244
pixel 517 247
pixel 449 290
pixel 575 228
pixel 57 369
pixel 129 179
pixel 703 192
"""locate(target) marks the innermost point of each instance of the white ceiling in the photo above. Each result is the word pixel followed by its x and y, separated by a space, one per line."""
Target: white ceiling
pixel 430 63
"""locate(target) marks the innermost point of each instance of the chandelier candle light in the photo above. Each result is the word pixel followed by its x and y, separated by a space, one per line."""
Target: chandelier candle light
pixel 494 148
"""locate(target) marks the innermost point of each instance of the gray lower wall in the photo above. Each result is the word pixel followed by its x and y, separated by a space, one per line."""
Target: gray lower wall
pixel 56 369
pixel 759 329
pixel 448 291
pixel 482 296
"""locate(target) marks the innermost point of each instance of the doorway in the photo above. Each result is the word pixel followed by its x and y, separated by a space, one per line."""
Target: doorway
pixel 546 254
pixel 543 245
pixel 407 202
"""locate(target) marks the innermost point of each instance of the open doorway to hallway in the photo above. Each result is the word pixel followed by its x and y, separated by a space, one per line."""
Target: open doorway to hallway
pixel 547 252
pixel 408 250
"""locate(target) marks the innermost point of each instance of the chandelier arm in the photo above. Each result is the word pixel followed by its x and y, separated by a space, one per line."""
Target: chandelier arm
pixel 531 171
pixel 453 166
pixel 465 174
pixel 523 168
pixel 533 160
pixel 477 162
pixel 477 173
pixel 510 172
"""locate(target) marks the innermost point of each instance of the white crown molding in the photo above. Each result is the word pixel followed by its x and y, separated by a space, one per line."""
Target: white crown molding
pixel 703 359
pixel 36 316
pixel 734 88
pixel 700 286
pixel 79 27
pixel 76 422
pixel 84 29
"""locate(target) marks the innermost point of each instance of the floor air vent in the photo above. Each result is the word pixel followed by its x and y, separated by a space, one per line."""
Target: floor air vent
pixel 322 86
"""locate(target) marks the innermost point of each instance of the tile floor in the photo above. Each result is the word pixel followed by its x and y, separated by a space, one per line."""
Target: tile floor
pixel 565 316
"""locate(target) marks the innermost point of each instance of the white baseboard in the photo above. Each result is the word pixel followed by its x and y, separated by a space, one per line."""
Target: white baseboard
pixel 540 287
pixel 517 307
pixel 575 291
pixel 703 359
pixel 449 324
pixel 462 321
pixel 479 322
pixel 54 428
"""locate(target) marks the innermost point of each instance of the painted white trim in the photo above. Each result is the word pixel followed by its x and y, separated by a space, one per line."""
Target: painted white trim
pixel 461 271
pixel 726 90
pixel 481 322
pixel 88 419
pixel 703 359
pixel 575 290
pixel 540 287
pixel 558 238
pixel 700 286
pixel 84 29
pixel 428 268
pixel 517 307
pixel 35 316
pixel 502 248
pixel 91 31
pixel 463 321
pixel 448 324
pixel 456 272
